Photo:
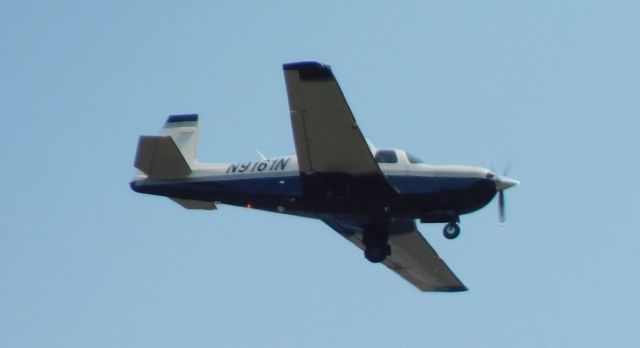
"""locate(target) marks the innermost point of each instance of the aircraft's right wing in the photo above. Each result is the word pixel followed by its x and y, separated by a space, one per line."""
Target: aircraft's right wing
pixel 411 255
pixel 326 135
pixel 333 155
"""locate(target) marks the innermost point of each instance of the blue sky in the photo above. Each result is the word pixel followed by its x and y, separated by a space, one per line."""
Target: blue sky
pixel 550 86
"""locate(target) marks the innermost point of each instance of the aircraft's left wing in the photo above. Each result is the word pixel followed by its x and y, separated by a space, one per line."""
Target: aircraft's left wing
pixel 411 255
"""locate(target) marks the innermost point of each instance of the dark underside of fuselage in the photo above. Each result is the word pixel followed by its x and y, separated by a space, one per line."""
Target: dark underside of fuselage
pixel 432 199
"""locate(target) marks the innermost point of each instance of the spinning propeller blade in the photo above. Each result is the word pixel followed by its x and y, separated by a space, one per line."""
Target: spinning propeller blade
pixel 502 183
pixel 501 207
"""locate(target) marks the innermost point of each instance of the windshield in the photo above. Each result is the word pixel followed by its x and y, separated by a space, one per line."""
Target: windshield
pixel 386 156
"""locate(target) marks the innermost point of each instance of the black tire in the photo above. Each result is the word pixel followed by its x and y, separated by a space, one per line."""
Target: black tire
pixel 377 254
pixel 451 230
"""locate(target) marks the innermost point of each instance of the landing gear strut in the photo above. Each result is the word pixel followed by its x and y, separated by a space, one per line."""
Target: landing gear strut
pixel 451 230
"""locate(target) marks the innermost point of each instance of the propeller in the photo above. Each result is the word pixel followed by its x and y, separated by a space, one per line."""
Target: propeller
pixel 501 207
pixel 502 183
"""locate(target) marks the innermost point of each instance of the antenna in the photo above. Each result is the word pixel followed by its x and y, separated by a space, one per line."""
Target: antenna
pixel 262 156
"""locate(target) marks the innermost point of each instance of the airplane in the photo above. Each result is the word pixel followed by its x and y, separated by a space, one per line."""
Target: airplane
pixel 372 197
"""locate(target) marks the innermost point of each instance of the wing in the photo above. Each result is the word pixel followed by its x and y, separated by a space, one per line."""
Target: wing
pixel 411 255
pixel 326 134
pixel 333 156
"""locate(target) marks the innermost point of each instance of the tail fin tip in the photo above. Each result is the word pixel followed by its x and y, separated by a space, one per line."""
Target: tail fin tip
pixel 180 120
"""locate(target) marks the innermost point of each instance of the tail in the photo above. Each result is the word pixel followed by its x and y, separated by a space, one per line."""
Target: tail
pixel 183 129
pixel 172 154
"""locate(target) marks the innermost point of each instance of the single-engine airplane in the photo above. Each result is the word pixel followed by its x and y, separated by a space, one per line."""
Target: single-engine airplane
pixel 371 197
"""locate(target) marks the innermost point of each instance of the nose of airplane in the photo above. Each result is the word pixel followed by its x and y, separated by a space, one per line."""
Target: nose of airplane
pixel 504 182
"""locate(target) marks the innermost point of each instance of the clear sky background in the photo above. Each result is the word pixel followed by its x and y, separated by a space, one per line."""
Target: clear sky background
pixel 85 262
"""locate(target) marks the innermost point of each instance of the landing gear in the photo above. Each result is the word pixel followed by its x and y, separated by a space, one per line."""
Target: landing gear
pixel 377 254
pixel 376 242
pixel 451 230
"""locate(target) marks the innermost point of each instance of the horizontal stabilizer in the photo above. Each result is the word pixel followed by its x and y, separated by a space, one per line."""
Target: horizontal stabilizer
pixel 159 157
pixel 194 204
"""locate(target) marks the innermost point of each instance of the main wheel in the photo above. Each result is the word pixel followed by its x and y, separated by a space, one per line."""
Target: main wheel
pixel 377 254
pixel 451 230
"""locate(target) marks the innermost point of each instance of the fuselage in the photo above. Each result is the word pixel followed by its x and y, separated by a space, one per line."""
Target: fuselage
pixel 432 193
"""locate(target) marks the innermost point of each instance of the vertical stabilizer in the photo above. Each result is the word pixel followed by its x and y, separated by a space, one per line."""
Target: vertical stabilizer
pixel 183 129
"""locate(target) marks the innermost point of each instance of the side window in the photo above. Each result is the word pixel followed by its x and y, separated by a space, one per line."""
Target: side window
pixel 386 156
pixel 413 159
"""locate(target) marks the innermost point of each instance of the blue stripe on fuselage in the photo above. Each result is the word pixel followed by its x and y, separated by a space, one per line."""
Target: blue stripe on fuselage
pixel 213 188
pixel 290 185
pixel 419 195
pixel 415 185
pixel 275 185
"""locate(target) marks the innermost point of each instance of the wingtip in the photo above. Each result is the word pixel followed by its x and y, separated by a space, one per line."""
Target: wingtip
pixel 454 289
pixel 310 70
pixel 307 64
pixel 459 288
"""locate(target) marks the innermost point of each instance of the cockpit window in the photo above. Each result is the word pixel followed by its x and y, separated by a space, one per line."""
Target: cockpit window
pixel 413 159
pixel 386 156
